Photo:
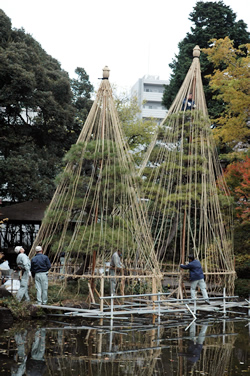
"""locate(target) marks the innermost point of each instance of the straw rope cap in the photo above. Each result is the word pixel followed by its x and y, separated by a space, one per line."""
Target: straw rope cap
pixel 196 51
pixel 106 71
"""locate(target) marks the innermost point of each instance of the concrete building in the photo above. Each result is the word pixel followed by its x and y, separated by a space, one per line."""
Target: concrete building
pixel 149 91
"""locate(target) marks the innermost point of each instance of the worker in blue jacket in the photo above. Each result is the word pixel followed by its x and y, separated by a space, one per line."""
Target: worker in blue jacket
pixel 196 277
pixel 40 266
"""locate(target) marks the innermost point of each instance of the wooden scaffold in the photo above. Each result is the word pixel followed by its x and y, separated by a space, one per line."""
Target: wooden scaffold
pixel 187 212
pixel 96 209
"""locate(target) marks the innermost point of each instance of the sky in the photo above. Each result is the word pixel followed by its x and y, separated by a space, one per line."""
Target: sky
pixel 132 37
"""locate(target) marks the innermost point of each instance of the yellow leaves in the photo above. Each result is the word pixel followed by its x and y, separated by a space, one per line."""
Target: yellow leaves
pixel 221 50
pixel 232 130
pixel 232 86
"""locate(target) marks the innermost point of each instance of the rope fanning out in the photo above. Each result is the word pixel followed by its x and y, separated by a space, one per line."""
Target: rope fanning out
pixel 187 212
pixel 97 208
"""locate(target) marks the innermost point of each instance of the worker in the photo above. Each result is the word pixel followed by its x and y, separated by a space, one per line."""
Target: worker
pixel 188 103
pixel 196 277
pixel 23 263
pixel 115 265
pixel 40 266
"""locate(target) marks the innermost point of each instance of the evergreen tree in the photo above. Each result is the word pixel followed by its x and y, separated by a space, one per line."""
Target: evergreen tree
pixel 81 89
pixel 181 183
pixel 37 115
pixel 211 20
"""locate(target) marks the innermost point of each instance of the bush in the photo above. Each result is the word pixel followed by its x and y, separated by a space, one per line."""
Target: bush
pixel 241 238
pixel 242 266
pixel 242 288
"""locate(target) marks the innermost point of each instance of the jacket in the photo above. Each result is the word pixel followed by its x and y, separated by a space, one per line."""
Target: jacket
pixel 23 262
pixel 115 261
pixel 40 264
pixel 195 270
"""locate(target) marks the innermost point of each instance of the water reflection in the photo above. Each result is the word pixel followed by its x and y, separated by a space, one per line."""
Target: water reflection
pixel 57 348
pixel 195 344
pixel 19 367
pixel 36 364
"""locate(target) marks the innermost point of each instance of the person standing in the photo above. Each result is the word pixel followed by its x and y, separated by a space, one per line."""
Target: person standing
pixel 196 277
pixel 23 263
pixel 188 103
pixel 40 266
pixel 115 265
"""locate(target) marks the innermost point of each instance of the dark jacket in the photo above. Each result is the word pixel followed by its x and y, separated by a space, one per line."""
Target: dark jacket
pixel 187 106
pixel 195 270
pixel 40 263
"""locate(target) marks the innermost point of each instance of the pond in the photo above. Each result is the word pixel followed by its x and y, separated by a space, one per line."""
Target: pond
pixel 204 347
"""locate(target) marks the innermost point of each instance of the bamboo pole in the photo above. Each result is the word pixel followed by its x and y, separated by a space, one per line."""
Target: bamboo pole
pixel 154 297
pixel 102 293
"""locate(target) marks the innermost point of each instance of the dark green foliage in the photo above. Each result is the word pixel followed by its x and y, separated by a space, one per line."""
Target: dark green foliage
pixel 242 288
pixel 81 89
pixel 27 174
pixel 242 259
pixel 242 239
pixel 37 114
pixel 242 263
pixel 211 20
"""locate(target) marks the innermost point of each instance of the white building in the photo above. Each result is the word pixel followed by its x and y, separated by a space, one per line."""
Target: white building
pixel 149 91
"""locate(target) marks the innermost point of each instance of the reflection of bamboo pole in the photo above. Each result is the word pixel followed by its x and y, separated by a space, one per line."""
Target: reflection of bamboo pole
pixel 90 352
pixel 99 341
pixel 181 350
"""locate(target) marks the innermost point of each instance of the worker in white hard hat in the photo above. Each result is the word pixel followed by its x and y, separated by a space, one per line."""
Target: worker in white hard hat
pixel 23 263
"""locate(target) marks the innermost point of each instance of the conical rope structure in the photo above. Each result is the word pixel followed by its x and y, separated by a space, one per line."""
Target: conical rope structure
pixel 97 208
pixel 187 212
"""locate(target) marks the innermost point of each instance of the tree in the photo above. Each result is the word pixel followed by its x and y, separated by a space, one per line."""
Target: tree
pixel 138 133
pixel 232 87
pixel 36 114
pixel 211 20
pixel 81 89
pixel 180 184
pixel 96 207
pixel 237 176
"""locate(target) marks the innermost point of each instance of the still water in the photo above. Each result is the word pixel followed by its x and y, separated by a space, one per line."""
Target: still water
pixel 206 347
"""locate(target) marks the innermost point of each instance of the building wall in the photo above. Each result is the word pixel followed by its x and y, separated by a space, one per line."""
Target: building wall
pixel 149 91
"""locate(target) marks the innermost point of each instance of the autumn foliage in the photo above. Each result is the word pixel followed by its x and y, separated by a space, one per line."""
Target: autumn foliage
pixel 237 176
pixel 230 82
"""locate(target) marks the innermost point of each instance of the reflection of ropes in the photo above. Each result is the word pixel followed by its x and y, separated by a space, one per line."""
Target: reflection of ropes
pixel 206 348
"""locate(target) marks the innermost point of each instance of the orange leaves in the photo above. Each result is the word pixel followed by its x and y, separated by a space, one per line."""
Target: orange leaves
pixel 237 177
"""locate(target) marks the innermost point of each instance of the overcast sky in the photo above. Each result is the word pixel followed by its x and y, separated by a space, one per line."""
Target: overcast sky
pixel 132 37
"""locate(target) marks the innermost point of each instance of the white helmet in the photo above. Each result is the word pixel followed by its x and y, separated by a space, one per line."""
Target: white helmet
pixel 18 248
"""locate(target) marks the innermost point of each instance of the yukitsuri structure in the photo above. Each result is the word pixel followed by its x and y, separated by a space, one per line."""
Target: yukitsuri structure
pixel 187 212
pixel 96 209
